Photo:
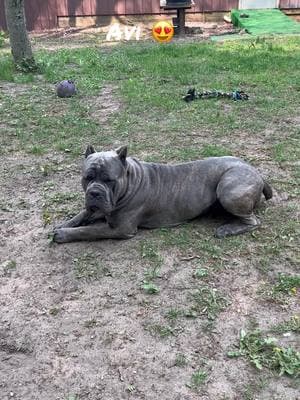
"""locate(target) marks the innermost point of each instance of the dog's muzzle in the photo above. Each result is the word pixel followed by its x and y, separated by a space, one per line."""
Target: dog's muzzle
pixel 98 198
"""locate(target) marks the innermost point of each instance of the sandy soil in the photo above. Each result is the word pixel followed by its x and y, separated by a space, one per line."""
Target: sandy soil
pixel 76 325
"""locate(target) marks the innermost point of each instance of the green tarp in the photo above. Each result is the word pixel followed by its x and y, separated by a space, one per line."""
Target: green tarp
pixel 265 22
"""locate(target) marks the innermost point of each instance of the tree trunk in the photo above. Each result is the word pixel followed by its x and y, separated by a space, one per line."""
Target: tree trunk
pixel 19 41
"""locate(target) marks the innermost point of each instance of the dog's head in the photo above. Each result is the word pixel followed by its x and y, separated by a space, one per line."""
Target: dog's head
pixel 103 178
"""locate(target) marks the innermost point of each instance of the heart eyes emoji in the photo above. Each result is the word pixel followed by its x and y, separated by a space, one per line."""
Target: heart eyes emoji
pixel 163 31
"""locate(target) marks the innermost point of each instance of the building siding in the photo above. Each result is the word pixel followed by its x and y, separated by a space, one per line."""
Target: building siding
pixel 43 14
pixel 289 4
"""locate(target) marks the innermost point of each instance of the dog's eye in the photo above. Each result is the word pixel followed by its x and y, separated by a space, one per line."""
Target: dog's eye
pixel 108 180
pixel 90 177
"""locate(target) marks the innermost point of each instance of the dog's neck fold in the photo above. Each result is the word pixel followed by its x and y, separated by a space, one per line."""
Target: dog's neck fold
pixel 134 178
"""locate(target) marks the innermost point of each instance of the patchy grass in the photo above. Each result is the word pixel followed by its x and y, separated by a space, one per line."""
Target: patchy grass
pixel 151 256
pixel 6 70
pixel 207 301
pixel 198 379
pixel 58 205
pixel 173 314
pixel 291 325
pixel 161 331
pixel 201 273
pixel 150 287
pixel 7 267
pixel 253 388
pixel 287 150
pixel 286 286
pixel 2 38
pixel 168 295
pixel 89 268
pixel 264 352
pixel 148 86
pixel 180 360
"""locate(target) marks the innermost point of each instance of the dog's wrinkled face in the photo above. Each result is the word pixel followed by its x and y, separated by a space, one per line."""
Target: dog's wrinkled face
pixel 103 175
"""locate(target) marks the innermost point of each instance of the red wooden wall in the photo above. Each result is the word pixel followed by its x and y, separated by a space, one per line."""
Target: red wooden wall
pixel 43 14
pixel 289 3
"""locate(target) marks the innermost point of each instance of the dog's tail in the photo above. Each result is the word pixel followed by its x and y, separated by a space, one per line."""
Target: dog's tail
pixel 267 191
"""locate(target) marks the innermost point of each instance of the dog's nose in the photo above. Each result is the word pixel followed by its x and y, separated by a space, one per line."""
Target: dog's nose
pixel 94 193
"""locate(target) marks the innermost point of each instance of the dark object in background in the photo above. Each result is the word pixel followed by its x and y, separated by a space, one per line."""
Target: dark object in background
pixel 180 6
pixel 66 88
pixel 176 2
pixel 192 94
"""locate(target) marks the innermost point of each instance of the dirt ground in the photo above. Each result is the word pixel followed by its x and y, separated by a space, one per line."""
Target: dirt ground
pixel 78 37
pixel 76 325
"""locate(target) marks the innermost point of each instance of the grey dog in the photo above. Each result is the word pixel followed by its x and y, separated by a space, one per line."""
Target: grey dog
pixel 123 194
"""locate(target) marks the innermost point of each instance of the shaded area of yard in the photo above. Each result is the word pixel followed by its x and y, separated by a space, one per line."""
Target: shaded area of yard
pixel 156 316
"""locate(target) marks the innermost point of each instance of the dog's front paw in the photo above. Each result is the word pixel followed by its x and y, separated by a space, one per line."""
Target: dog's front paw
pixel 60 235
pixel 64 224
pixel 58 226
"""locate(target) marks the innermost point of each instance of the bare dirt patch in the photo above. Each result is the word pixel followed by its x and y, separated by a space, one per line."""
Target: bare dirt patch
pixel 75 321
pixel 81 37
pixel 102 106
pixel 13 89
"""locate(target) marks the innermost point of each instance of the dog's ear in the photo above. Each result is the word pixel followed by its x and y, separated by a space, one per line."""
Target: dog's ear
pixel 89 150
pixel 122 153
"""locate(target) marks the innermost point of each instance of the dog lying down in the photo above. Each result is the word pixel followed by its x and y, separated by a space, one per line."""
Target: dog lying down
pixel 123 194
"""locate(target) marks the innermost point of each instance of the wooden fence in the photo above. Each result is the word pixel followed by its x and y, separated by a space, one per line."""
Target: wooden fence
pixel 44 14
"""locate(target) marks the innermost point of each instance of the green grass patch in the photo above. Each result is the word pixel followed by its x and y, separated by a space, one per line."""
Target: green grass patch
pixel 214 151
pixel 6 69
pixel 151 254
pixel 59 205
pixel 179 237
pixel 193 153
pixel 2 38
pixel 37 150
pixel 162 331
pixel 200 273
pixel 150 287
pixel 150 88
pixel 180 360
pixel 288 284
pixel 264 352
pixel 287 150
pixel 198 379
pixel 173 314
pixel 284 289
pixel 152 257
pixel 253 388
pixel 207 301
pixel 88 267
pixel 291 325
pixel 7 267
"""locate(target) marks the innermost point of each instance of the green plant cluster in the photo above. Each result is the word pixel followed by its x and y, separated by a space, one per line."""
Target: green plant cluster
pixel 265 353
pixel 2 37
pixel 207 301
pixel 292 325
pixel 287 284
pixel 27 65
pixel 151 255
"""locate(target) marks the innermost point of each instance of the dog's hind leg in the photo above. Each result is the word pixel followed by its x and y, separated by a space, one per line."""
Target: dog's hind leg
pixel 238 192
pixel 242 225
